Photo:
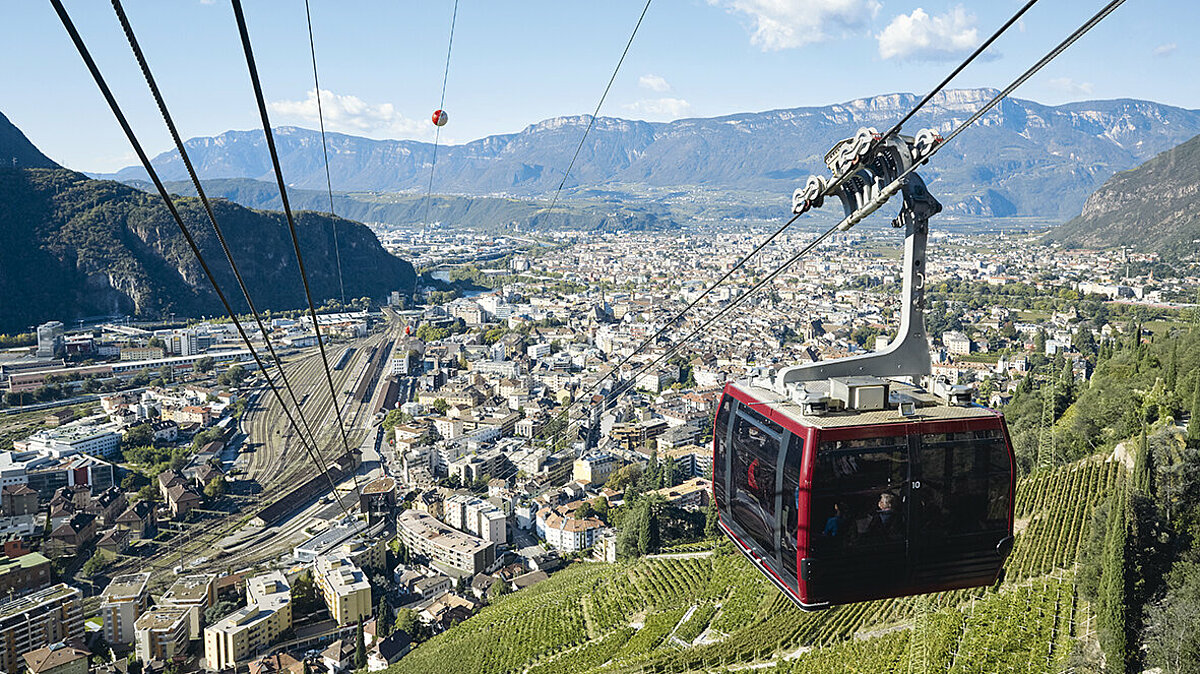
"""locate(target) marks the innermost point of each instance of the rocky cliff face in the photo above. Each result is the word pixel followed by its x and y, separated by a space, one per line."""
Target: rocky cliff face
pixel 1153 208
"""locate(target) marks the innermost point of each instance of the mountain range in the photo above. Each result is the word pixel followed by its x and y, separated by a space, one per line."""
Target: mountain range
pixel 72 247
pixel 1022 159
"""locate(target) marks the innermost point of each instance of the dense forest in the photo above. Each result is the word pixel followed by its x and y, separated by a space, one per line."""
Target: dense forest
pixel 72 247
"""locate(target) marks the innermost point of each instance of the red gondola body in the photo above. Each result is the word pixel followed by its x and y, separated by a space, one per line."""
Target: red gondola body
pixel 946 525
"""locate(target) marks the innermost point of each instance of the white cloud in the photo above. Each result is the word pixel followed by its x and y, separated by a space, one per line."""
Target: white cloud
pixel 784 24
pixel 1165 49
pixel 1069 87
pixel 923 37
pixel 653 83
pixel 664 109
pixel 350 114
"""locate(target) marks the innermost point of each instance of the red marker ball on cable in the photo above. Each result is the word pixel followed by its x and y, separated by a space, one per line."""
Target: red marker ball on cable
pixel 440 117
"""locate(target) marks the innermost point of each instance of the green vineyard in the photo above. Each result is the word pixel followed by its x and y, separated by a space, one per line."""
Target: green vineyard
pixel 711 611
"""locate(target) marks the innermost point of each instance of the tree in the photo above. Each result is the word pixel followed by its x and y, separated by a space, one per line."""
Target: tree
pixel 440 405
pixel 215 489
pixel 148 493
pixel 137 436
pixel 95 564
pixel 218 611
pixel 710 520
pixel 1173 624
pixel 600 506
pixel 383 618
pixel 1114 634
pixel 232 376
pixel 304 594
pixel 1193 434
pixel 1143 467
pixel 360 647
pixel 498 589
pixel 406 621
pixel 205 364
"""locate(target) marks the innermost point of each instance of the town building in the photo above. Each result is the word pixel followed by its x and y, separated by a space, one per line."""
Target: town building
pixel 163 633
pixel 100 440
pixel 691 493
pixel 594 469
pixel 45 617
pixel 564 531
pixel 58 658
pixel 344 588
pixel 23 573
pixel 197 594
pixel 237 637
pixel 475 516
pixel 124 600
pixel 49 340
pixel 424 534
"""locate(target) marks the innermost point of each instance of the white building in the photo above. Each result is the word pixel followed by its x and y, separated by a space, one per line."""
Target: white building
pixel 162 633
pixel 100 440
pixel 124 600
pixel 476 516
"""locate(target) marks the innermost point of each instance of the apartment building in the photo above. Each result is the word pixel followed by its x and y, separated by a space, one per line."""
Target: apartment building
pixel 475 516
pixel 344 588
pixel 23 574
pixel 196 594
pixel 236 638
pixel 443 544
pixel 163 633
pixel 125 599
pixel 40 619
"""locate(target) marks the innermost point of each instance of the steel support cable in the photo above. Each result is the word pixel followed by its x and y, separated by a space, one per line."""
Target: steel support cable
pixel 987 107
pixel 312 46
pixel 437 133
pixel 829 191
pixel 599 103
pixel 291 223
pixel 140 56
pixel 102 84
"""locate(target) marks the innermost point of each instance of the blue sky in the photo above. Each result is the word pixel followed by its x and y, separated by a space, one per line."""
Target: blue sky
pixel 516 63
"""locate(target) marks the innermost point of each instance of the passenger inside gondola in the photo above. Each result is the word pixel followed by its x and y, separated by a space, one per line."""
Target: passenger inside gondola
pixel 886 521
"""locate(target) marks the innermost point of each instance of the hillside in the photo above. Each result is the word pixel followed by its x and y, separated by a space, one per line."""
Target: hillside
pixel 72 247
pixel 1152 208
pixel 1024 159
pixel 712 610
pixel 17 152
pixel 481 213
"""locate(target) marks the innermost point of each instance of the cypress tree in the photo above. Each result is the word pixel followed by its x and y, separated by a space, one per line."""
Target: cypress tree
pixel 1194 419
pixel 360 647
pixel 1143 467
pixel 1172 374
pixel 383 618
pixel 1114 638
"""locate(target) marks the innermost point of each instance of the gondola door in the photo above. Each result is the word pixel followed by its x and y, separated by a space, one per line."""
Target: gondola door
pixel 960 505
pixel 860 518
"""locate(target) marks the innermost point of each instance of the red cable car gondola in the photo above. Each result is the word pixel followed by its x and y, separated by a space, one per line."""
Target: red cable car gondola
pixel 843 486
